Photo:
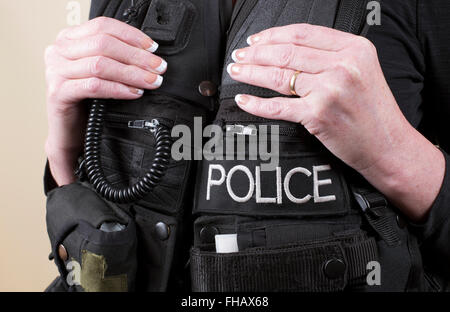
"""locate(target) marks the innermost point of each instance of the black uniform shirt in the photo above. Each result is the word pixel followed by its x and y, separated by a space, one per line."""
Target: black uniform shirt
pixel 413 44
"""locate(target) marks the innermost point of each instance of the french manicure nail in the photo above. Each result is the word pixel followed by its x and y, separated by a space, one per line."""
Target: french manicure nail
pixel 253 39
pixel 233 56
pixel 229 68
pixel 233 69
pixel 150 79
pixel 136 91
pixel 153 47
pixel 238 55
pixel 241 99
pixel 162 67
pixel 158 82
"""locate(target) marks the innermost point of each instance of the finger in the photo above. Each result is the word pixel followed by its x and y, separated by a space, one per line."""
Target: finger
pixel 111 70
pixel 318 37
pixel 111 47
pixel 112 27
pixel 286 56
pixel 90 88
pixel 278 108
pixel 274 78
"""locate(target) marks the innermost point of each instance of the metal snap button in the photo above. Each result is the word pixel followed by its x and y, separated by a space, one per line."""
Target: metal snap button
pixel 334 268
pixel 62 253
pixel 207 88
pixel 208 233
pixel 162 231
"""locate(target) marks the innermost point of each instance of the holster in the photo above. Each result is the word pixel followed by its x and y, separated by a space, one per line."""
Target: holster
pixel 88 258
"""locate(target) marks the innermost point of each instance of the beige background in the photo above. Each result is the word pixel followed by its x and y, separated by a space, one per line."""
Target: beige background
pixel 26 28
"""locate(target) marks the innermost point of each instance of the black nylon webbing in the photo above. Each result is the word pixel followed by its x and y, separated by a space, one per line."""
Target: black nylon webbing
pixel 240 14
pixel 379 215
pixel 351 16
pixel 230 91
pixel 297 268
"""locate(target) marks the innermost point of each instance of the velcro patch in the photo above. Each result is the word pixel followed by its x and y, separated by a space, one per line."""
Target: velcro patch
pixel 309 185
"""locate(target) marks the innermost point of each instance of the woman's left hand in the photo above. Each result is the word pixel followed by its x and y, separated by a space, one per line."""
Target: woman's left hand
pixel 344 100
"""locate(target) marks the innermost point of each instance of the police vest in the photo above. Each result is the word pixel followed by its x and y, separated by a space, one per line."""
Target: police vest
pixel 296 227
pixel 307 224
pixel 151 252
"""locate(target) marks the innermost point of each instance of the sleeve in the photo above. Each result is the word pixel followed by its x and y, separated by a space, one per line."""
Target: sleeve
pixel 49 181
pixel 434 234
pixel 434 34
pixel 416 68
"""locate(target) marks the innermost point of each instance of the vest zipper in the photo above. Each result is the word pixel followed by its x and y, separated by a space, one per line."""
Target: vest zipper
pixel 125 121
pixel 144 124
pixel 240 129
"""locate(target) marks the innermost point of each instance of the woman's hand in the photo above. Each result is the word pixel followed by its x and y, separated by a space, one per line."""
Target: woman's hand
pixel 103 58
pixel 346 103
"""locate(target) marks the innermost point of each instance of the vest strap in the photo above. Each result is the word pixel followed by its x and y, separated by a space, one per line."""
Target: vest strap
pixel 240 13
pixel 378 214
pixel 351 16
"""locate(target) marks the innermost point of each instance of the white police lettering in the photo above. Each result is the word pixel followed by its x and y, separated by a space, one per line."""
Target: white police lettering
pixel 254 184
pixel 317 183
pixel 268 200
pixel 287 180
pixel 251 184
pixel 212 182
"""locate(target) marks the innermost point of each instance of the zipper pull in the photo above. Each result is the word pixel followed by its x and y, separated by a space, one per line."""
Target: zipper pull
pixel 144 124
pixel 241 130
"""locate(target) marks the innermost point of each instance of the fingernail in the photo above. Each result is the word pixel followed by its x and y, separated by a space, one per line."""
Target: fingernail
pixel 233 69
pixel 238 55
pixel 136 91
pixel 162 67
pixel 158 82
pixel 253 39
pixel 154 83
pixel 241 99
pixel 154 46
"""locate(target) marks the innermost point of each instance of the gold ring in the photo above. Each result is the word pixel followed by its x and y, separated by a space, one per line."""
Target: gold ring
pixel 292 82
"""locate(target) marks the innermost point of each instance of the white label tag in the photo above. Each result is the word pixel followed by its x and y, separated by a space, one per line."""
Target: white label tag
pixel 226 243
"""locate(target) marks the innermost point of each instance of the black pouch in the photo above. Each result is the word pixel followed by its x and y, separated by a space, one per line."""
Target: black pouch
pixel 126 154
pixel 93 242
pixel 281 255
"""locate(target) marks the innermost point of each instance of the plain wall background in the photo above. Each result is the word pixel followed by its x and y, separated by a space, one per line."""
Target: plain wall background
pixel 26 28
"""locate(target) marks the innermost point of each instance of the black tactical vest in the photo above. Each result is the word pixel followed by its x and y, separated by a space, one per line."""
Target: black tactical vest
pixel 151 254
pixel 295 228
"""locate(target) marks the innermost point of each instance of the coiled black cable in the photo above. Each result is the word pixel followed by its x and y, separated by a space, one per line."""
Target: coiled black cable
pixel 92 160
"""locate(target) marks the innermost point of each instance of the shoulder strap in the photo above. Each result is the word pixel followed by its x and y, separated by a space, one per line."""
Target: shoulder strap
pixel 351 17
pixel 241 11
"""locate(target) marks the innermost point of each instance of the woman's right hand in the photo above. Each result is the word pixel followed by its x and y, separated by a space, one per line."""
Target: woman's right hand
pixel 103 58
